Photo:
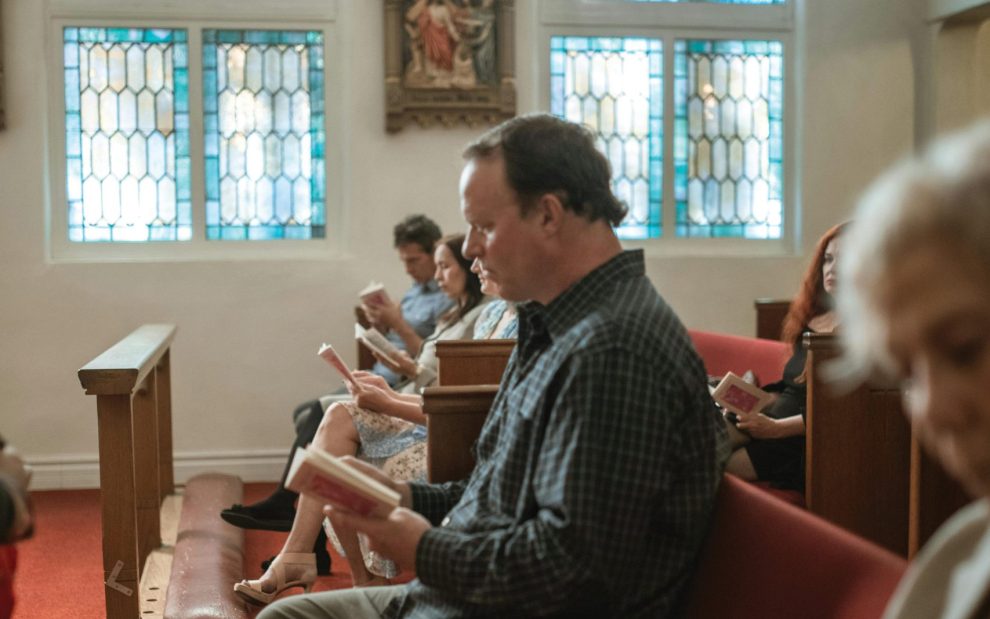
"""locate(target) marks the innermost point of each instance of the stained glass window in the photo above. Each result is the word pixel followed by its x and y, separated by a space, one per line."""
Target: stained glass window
pixel 613 85
pixel 264 134
pixel 127 134
pixel 728 138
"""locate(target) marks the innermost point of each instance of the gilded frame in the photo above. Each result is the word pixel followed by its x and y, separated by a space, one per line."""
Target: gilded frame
pixel 467 75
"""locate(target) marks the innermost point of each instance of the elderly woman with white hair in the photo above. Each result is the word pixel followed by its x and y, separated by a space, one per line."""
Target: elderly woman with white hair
pixel 915 306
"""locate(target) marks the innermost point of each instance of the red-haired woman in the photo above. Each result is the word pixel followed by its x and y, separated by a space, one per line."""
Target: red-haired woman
pixel 769 446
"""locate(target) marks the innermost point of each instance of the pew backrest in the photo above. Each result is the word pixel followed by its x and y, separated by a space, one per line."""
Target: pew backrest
pixel 766 558
pixel 472 362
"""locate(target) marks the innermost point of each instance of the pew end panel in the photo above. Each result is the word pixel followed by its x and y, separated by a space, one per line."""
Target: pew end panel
pixel 131 382
pixel 472 362
pixel 454 417
pixel 857 465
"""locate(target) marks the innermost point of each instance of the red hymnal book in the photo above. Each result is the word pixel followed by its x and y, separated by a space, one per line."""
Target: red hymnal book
pixel 736 395
pixel 320 475
pixel 330 356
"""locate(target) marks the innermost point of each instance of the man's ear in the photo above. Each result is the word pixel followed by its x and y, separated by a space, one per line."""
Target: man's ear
pixel 551 212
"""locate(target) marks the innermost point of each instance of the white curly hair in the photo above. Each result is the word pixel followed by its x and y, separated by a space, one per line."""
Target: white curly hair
pixel 942 195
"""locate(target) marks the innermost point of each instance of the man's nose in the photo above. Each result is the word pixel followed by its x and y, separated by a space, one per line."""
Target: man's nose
pixel 470 245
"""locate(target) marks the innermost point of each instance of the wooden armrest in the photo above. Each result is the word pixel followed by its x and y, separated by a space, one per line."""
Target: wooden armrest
pixel 124 366
pixel 454 417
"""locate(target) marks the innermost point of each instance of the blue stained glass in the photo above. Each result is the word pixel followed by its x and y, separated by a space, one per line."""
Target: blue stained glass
pixel 615 86
pixel 728 91
pixel 237 195
pixel 102 182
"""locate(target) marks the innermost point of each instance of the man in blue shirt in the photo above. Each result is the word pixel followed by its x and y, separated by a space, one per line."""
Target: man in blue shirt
pixel 414 318
pixel 405 324
pixel 599 462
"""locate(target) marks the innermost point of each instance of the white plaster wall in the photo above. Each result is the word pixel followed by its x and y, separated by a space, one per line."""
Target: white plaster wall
pixel 248 330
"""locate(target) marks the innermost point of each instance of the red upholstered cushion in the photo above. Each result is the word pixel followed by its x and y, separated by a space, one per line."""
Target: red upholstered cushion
pixel 724 353
pixel 208 556
pixel 765 558
pixel 788 496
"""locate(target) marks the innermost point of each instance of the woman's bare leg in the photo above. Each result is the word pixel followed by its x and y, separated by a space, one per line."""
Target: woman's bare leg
pixel 737 438
pixel 740 465
pixel 337 435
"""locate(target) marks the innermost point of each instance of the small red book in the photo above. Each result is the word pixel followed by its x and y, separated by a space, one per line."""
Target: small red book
pixel 320 475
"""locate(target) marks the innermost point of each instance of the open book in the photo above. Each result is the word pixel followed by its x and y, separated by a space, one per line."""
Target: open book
pixel 330 356
pixel 736 395
pixel 373 339
pixel 374 294
pixel 324 477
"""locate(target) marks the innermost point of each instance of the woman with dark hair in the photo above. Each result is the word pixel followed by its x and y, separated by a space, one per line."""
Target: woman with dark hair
pixel 382 426
pixel 453 272
pixel 769 445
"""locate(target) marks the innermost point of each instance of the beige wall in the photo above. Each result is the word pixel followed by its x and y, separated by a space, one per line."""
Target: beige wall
pixel 248 330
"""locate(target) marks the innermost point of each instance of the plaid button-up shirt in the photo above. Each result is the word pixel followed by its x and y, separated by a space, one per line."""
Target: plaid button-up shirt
pixel 597 467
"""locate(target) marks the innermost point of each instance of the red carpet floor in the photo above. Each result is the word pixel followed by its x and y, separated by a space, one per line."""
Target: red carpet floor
pixel 59 573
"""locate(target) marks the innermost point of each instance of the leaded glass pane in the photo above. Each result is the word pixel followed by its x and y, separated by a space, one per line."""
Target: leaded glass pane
pixel 263 126
pixel 728 138
pixel 613 85
pixel 127 134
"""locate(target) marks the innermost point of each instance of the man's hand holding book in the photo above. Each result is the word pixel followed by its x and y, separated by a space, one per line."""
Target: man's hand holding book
pixel 394 536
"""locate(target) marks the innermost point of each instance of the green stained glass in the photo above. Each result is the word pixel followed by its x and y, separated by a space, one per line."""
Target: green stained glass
pixel 728 138
pixel 613 85
pixel 127 134
pixel 264 134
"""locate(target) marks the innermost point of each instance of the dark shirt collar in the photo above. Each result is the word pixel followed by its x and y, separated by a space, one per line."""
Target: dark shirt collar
pixel 577 301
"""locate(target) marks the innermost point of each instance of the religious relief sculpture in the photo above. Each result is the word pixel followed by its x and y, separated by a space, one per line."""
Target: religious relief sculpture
pixel 449 61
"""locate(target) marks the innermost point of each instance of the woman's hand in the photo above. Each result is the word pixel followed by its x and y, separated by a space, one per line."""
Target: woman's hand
pixel 372 379
pixel 401 363
pixel 372 398
pixel 759 425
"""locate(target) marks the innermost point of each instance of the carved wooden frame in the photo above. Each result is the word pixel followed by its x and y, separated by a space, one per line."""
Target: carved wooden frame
pixel 448 106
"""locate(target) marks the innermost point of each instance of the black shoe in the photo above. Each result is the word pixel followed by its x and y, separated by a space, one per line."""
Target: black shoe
pixel 258 517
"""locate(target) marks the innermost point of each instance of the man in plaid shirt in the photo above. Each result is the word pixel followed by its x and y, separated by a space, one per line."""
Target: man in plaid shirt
pixel 599 462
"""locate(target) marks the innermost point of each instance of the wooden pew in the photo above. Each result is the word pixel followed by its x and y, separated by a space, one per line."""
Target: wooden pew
pixel 472 362
pixel 468 375
pixel 863 469
pixel 131 382
pixel 770 314
pixel 365 360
